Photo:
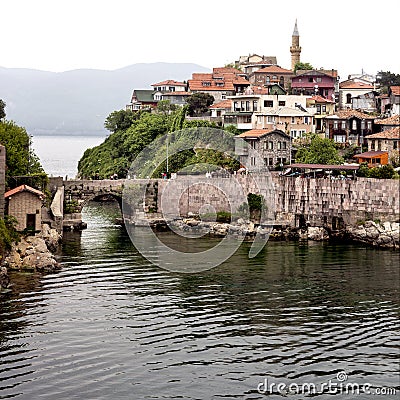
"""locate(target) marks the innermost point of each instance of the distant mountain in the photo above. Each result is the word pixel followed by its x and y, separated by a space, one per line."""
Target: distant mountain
pixel 78 101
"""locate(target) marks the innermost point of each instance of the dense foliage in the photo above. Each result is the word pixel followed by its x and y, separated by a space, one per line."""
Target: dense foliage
pixel 316 150
pixel 21 159
pixel 387 79
pixel 116 153
pixel 2 109
pixel 300 66
pixel 380 172
pixel 8 234
pixel 199 103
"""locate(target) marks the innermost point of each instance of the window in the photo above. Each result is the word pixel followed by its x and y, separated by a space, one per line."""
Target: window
pixel 372 144
pixel 369 124
pixel 253 144
pixel 319 79
pixel 270 119
pixel 265 145
pixel 348 98
pixel 343 124
pixel 235 106
pixel 270 145
pixel 310 80
pixel 282 145
pixel 268 103
pixel 354 125
pixel 260 119
pixel 252 161
pixel 267 79
pixel 318 108
pixel 220 83
pixel 255 104
pixel 293 133
pixel 247 106
pixel 306 120
pixel 171 88
pixel 324 108
pixel 363 124
pixel 274 78
pixel 282 103
pixel 395 144
pixel 223 96
pixel 206 83
pixel 281 81
pixel 270 161
pixel 299 80
pixel 292 120
pixel 335 124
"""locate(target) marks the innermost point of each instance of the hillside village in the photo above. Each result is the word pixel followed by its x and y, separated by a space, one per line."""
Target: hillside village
pixel 272 106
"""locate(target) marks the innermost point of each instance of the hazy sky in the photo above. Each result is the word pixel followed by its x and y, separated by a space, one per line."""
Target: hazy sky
pixel 60 35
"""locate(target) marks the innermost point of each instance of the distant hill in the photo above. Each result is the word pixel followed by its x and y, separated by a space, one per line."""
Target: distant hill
pixel 78 101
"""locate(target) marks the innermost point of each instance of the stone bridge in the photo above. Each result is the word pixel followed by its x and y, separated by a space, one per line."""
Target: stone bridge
pixel 317 201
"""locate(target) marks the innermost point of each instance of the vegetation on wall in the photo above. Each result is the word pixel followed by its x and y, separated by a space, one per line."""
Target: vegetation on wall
pixel 300 66
pixel 8 234
pixel 312 149
pixel 387 79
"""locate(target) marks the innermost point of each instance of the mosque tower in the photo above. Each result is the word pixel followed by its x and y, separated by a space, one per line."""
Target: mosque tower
pixel 295 48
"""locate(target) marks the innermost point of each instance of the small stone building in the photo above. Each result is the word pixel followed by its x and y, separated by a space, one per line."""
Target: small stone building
pixel 274 146
pixel 25 204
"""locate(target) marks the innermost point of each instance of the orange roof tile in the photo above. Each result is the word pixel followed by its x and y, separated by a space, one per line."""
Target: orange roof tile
pixel 320 99
pixel 393 133
pixel 346 114
pixel 169 82
pixel 354 85
pixel 255 133
pixel 274 69
pixel 395 90
pixel 23 188
pixel 393 120
pixel 222 104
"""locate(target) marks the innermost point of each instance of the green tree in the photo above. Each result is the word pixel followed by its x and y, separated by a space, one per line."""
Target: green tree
pixel 21 159
pixel 387 79
pixel 2 109
pixel 120 120
pixel 317 150
pixel 302 66
pixel 199 103
pixel 165 106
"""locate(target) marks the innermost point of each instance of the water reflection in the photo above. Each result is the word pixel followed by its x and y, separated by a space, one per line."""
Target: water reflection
pixel 110 324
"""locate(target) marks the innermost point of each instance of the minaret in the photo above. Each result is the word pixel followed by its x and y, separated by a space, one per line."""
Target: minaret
pixel 295 48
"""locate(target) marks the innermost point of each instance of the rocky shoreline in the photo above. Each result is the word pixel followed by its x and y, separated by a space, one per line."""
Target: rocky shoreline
pixel 33 254
pixel 373 233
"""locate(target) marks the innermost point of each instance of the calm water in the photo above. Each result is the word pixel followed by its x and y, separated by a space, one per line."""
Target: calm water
pixel 59 155
pixel 110 325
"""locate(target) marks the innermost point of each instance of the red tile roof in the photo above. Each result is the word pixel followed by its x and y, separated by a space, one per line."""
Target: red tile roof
pixel 395 90
pixel 23 188
pixel 255 133
pixel 355 85
pixel 320 99
pixel 370 154
pixel 346 114
pixel 393 120
pixel 169 82
pixel 393 133
pixel 274 69
pixel 222 104
pixel 329 72
pixel 211 81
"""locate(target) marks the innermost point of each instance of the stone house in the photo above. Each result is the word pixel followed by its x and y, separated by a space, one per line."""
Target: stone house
pixel 272 75
pixel 274 146
pixel 312 82
pixel 388 140
pixel 25 204
pixel 387 123
pixel 349 127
